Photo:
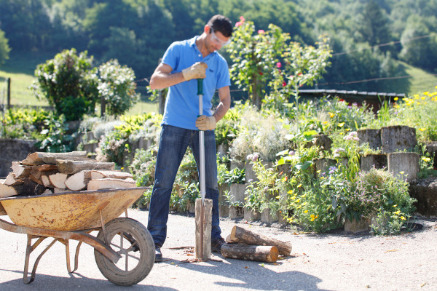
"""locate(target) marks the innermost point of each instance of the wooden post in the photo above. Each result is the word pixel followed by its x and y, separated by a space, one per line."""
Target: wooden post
pixel 8 106
pixel 203 220
pixel 102 106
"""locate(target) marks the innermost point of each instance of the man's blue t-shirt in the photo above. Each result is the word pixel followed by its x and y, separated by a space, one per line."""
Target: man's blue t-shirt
pixel 182 104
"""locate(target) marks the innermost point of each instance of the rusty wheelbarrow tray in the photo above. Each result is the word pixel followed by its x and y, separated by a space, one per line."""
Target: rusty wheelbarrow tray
pixel 74 215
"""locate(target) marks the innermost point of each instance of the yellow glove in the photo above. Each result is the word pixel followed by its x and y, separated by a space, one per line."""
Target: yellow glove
pixel 196 71
pixel 204 122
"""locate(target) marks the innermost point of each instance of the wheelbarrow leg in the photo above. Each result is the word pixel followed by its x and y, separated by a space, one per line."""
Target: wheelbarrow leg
pixel 67 255
pixel 29 249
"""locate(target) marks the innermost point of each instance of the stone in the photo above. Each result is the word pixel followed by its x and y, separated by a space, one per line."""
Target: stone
pixel 14 150
pixel 237 193
pixel 251 215
pixel 404 165
pixel 398 138
pixel 354 226
pixel 370 136
pixel 236 212
pixel 267 217
pixel 425 191
pixel 377 161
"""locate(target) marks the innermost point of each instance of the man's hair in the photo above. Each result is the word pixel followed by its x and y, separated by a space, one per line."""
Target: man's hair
pixel 222 24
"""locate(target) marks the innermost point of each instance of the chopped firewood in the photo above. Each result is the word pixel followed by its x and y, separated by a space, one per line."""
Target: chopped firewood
pixel 100 174
pixel 78 181
pixel 7 191
pixel 267 254
pixel 39 158
pixel 45 168
pixel 72 167
pixel 241 235
pixel 46 181
pixel 11 180
pixel 110 183
pixel 19 170
pixel 58 180
pixel 58 190
pixel 48 191
pixel 28 188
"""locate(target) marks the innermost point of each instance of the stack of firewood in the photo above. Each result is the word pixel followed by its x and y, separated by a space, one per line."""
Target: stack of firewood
pixel 45 173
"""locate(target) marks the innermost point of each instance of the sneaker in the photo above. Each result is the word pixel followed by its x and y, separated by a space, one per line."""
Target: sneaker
pixel 216 245
pixel 158 254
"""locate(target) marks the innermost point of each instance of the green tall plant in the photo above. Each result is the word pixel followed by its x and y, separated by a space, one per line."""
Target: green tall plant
pixel 69 83
pixel 257 63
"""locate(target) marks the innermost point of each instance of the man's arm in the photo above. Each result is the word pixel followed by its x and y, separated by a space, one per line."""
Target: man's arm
pixel 163 78
pixel 225 103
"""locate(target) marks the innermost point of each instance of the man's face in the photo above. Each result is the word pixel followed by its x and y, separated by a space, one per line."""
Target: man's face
pixel 216 40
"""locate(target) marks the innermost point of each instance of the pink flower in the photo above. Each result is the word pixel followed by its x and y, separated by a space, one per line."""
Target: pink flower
pixel 261 31
pixel 278 65
pixel 284 84
pixel 241 22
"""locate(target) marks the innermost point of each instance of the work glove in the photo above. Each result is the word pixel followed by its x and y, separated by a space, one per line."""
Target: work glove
pixel 196 71
pixel 204 122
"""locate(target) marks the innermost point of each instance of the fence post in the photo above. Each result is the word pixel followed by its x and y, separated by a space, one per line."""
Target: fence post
pixel 8 104
pixel 102 106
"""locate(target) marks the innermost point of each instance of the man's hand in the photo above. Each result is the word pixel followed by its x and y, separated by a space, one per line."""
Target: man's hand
pixel 205 122
pixel 196 71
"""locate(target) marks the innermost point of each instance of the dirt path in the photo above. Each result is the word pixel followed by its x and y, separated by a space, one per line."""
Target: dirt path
pixel 319 262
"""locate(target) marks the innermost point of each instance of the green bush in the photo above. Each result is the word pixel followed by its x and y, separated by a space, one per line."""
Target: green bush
pixel 69 83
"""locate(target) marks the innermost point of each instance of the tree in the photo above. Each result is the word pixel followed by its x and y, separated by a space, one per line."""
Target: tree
pixel 68 82
pixel 4 48
pixel 374 25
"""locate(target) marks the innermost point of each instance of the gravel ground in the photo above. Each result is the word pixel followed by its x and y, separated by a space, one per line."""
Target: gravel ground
pixel 335 261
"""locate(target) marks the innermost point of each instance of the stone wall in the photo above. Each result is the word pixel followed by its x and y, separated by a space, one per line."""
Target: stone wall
pixel 13 150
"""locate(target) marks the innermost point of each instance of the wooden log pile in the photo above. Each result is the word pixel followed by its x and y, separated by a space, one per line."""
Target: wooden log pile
pixel 46 173
pixel 246 245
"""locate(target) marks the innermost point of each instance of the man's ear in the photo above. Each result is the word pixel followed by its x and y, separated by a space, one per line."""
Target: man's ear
pixel 206 29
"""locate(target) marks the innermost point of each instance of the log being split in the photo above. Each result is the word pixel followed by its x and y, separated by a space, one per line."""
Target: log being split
pixel 203 229
pixel 267 254
pixel 241 235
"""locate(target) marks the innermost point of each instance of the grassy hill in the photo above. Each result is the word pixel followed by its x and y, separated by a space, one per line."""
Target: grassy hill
pixel 20 68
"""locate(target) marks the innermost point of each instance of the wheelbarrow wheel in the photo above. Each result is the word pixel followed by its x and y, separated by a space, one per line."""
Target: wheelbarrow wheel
pixel 132 241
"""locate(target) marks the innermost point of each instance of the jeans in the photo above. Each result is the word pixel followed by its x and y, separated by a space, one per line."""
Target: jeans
pixel 172 147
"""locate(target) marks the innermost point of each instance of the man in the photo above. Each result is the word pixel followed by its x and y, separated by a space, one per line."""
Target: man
pixel 183 63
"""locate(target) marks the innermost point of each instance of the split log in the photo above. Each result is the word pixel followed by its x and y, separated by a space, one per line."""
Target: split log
pixel 46 181
pixel 20 170
pixel 58 180
pixel 39 158
pixel 72 167
pixel 241 235
pixel 100 174
pixel 28 188
pixel 111 183
pixel 267 254
pixel 7 191
pixel 47 191
pixel 78 181
pixel 11 180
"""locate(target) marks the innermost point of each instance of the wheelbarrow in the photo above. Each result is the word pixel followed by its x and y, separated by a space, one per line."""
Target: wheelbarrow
pixel 123 248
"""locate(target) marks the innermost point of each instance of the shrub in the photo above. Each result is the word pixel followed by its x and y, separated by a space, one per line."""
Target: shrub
pixel 117 87
pixel 69 83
